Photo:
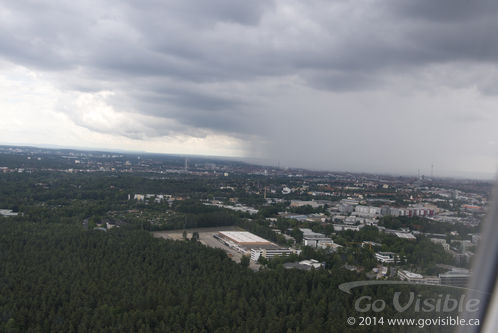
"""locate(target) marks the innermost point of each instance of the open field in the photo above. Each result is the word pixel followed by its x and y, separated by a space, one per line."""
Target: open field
pixel 206 238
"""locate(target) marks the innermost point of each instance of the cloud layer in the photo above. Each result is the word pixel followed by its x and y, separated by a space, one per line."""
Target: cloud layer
pixel 390 86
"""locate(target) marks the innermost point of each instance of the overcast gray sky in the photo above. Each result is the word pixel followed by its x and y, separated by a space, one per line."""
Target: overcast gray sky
pixel 387 86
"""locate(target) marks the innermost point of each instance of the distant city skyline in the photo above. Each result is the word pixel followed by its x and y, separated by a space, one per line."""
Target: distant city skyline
pixel 263 163
pixel 363 86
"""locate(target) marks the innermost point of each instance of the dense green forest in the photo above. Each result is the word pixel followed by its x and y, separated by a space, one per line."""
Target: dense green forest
pixel 59 278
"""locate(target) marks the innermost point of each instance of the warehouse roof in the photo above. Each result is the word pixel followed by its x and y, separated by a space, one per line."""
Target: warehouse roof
pixel 243 237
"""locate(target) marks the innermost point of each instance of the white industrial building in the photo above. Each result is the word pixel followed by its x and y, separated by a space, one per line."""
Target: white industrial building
pixel 405 235
pixel 417 278
pixel 242 239
pixel 409 276
pixel 367 210
pixel 269 253
pixel 301 203
pixel 344 227
pixel 386 257
pixel 248 243
pixel 7 212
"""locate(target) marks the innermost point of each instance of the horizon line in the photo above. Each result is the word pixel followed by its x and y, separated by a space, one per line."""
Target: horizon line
pixel 245 159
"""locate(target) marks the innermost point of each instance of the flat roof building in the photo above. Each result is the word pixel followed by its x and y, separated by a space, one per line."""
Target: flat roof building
pixel 344 227
pixel 7 212
pixel 405 235
pixel 417 278
pixel 457 277
pixel 304 265
pixel 386 257
pixel 244 238
pixel 409 276
pixel 246 242
pixel 269 253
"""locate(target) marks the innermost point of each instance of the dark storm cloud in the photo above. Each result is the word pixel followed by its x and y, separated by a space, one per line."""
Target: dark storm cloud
pixel 188 99
pixel 445 10
pixel 342 80
pixel 196 109
pixel 181 38
pixel 206 12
